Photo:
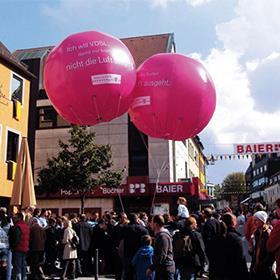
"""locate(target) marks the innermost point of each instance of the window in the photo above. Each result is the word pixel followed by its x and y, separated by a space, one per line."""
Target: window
pixel 261 169
pixel 265 168
pixel 186 169
pixel 17 88
pixel 254 172
pixel 48 118
pixel 12 146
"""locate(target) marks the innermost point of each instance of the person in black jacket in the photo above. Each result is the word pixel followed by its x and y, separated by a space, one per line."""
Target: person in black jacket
pixel 232 264
pixel 189 251
pixel 131 235
pixel 211 232
pixel 163 262
pixel 85 234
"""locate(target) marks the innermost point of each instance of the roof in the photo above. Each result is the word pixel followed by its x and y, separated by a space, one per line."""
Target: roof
pixel 13 62
pixel 141 47
pixel 33 53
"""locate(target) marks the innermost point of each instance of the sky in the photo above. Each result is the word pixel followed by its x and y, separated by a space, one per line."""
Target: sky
pixel 238 41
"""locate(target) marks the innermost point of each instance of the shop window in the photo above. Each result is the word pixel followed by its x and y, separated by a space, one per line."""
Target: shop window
pixel 12 146
pixel 17 88
pixel 70 211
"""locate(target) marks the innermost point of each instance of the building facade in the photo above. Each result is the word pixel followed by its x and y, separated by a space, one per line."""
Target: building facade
pixel 259 173
pixel 14 107
pixel 146 159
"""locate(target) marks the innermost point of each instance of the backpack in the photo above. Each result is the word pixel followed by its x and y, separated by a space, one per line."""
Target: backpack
pixel 183 248
pixel 74 242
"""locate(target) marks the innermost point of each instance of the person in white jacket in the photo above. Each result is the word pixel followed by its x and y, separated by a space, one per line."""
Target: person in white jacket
pixel 69 253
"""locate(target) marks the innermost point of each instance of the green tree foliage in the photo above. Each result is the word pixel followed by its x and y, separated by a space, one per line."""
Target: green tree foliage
pixel 79 167
pixel 233 183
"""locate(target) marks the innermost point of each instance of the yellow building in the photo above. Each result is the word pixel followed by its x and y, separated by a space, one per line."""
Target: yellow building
pixel 14 109
pixel 202 162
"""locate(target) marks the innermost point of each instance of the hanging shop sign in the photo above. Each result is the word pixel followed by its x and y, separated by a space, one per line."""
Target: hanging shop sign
pixel 257 148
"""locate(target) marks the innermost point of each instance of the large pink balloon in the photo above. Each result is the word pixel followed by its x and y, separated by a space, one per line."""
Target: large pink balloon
pixel 89 78
pixel 174 97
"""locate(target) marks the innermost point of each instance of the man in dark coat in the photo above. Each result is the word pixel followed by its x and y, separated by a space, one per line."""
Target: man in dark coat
pixel 85 234
pixel 37 248
pixel 163 262
pixel 232 264
pixel 210 233
pixel 132 234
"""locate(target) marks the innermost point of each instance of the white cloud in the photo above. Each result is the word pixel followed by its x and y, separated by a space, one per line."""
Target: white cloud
pixel 164 3
pixel 245 74
pixel 160 3
pixel 196 3
pixel 255 31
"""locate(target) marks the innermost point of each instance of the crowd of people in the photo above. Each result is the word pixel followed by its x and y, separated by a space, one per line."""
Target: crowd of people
pixel 183 245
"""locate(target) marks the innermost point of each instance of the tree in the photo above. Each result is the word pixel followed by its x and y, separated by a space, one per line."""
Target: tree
pixel 233 184
pixel 79 167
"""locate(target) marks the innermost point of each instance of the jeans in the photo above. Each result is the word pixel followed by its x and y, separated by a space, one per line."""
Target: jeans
pixel 19 266
pixel 164 275
pixel 186 273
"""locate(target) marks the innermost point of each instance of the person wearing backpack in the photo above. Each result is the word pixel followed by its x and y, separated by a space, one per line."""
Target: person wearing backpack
pixel 189 253
pixel 163 262
pixel 70 249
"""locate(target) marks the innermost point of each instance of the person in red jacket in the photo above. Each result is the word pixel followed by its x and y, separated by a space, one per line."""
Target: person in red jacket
pixel 273 243
pixel 250 227
pixel 19 243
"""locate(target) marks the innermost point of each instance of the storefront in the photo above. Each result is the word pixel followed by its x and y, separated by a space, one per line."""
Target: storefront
pixel 134 198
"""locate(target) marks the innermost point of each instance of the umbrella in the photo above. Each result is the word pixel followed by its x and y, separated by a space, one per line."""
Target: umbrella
pixel 23 189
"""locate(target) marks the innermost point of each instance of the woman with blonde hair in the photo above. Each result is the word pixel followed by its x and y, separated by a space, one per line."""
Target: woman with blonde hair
pixel 70 251
pixel 183 211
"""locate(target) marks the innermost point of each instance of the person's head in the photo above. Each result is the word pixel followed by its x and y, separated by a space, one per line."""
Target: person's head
pixel 166 218
pixel 146 240
pixel 3 212
pixel 258 207
pixel 18 217
pixel 260 218
pixel 67 223
pixel 95 216
pixel 83 217
pixel 229 219
pixel 37 212
pixel 157 223
pixel 133 218
pixel 182 200
pixel 44 212
pixel 123 218
pixel 30 210
pixel 191 223
pixel 52 221
pixel 143 216
pixel 227 210
pixel 207 213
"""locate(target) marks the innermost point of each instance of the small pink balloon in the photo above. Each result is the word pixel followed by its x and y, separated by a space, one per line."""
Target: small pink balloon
pixel 174 97
pixel 89 78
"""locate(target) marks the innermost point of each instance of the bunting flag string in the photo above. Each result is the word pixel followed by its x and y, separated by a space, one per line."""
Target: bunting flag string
pixel 215 157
